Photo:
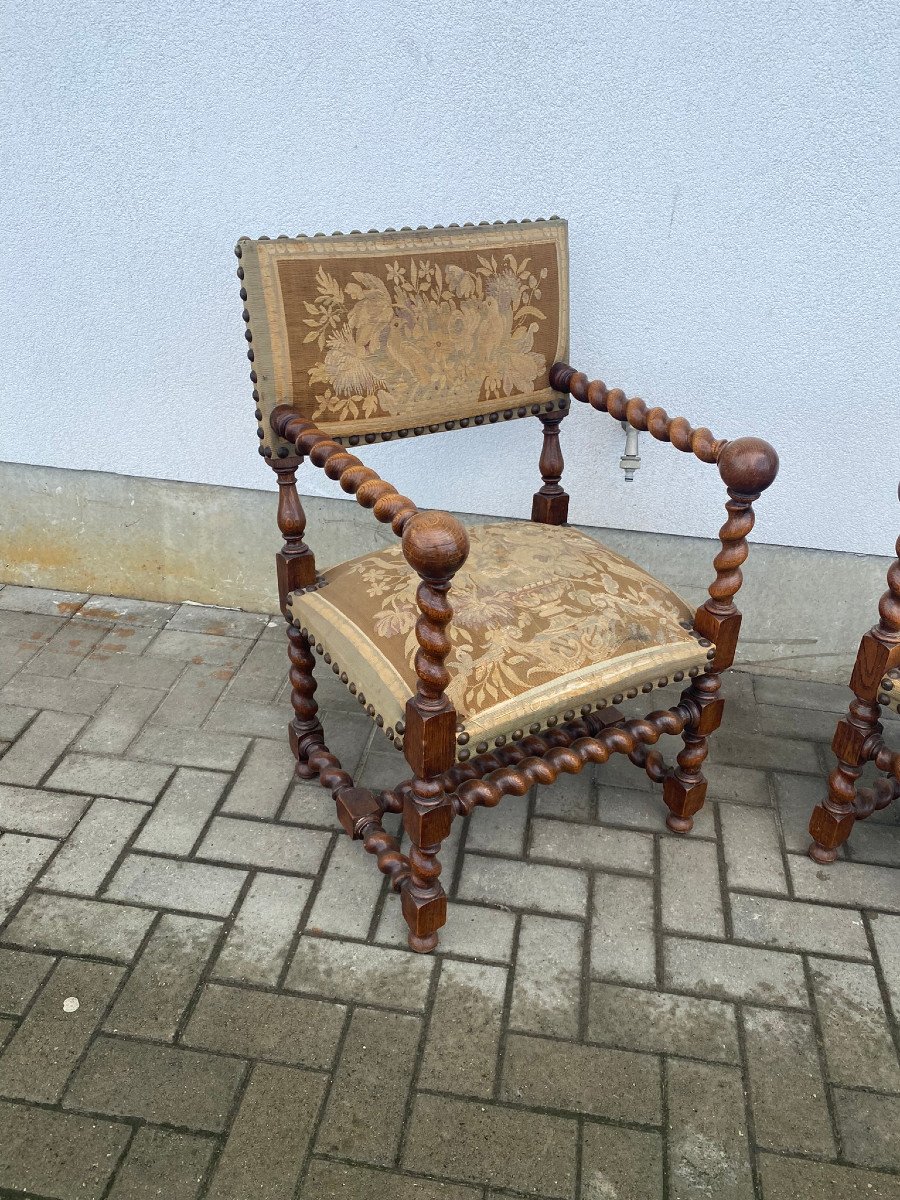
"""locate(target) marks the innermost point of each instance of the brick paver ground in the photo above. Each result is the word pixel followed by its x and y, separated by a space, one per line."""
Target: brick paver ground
pixel 616 1013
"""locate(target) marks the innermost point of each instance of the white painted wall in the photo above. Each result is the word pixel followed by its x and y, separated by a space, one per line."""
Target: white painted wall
pixel 730 173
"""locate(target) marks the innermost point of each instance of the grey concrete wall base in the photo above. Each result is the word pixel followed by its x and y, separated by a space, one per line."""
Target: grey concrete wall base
pixel 88 531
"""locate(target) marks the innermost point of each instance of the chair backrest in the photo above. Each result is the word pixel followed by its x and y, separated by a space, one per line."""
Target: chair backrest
pixel 377 335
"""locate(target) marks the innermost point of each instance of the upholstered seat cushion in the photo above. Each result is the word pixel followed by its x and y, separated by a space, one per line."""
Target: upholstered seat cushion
pixel 889 692
pixel 546 620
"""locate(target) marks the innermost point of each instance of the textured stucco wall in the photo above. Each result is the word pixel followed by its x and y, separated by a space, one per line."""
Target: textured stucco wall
pixel 729 171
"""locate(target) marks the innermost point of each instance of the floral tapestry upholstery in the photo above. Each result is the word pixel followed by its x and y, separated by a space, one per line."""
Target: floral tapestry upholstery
pixel 890 690
pixel 410 331
pixel 545 620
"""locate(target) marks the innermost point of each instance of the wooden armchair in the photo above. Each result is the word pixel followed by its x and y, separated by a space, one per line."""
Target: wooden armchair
pixel 369 337
pixel 859 737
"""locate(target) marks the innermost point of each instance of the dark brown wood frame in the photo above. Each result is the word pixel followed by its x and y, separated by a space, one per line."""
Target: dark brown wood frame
pixel 436 544
pixel 859 737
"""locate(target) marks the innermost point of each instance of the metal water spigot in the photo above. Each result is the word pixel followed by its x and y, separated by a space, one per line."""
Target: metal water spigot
pixel 630 460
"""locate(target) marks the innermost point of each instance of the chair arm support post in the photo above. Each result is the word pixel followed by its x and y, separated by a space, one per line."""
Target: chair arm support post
pixel 747 467
pixel 366 485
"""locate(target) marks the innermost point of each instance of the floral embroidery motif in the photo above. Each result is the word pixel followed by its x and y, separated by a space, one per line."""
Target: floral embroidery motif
pixel 425 335
pixel 528 608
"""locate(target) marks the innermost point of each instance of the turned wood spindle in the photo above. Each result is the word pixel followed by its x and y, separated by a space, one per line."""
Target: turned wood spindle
pixel 550 504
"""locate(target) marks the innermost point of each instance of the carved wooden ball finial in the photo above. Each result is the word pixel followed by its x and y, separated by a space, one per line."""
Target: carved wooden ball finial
pixel 748 465
pixel 435 544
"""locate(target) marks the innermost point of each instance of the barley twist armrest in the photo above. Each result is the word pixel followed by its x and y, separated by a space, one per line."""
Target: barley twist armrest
pixel 747 467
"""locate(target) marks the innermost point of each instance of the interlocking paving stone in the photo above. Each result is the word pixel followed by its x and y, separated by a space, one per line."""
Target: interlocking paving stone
pixel 261 674
pixel 366 974
pixel 49 814
pixel 490 1144
pixel 161 1084
pixel 876 843
pixel 348 892
pixel 21 975
pixel 221 622
pixel 788 1093
pixel 691 889
pixel 464 1030
pixel 73 926
pixel 615 1084
pixel 63 1155
pixel 340 1181
pixel 792 925
pixel 571 797
pixel 164 978
pixel 33 627
pixel 802 693
pixel 119 721
pixel 172 883
pixel 856 884
pixel 262 844
pixel 163 1163
pixel 472 931
pixel 21 859
pixel 263 780
pixel 101 776
pixel 737 785
pixel 180 815
pixel 72 697
pixel 126 611
pixel 37 1063
pixel 258 943
pixel 621 1163
pixel 708 1146
pixel 63 652
pixel 858 1043
pixel 797 795
pixel 728 972
pixel 13 718
pixel 374 1075
pixel 513 884
pixel 254 1024
pixel 91 851
pixel 189 748
pixel 590 846
pixel 753 857
pixel 29 759
pixel 623 945
pixel 805 723
pixel 199 648
pixel 662 1023
pixel 802 1179
pixel 886 935
pixel 41 600
pixel 869 1125
pixel 762 750
pixel 268 1141
pixel 125 664
pixel 546 994
pixel 501 829
pixel 640 810
pixel 309 804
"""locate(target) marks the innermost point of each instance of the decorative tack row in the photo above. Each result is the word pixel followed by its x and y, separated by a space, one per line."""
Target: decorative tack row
pixel 463 737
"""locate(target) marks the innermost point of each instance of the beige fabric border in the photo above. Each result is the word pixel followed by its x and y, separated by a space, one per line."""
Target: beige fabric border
pixel 259 259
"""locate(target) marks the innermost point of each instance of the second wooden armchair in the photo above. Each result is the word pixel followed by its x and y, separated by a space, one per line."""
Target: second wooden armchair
pixel 492 657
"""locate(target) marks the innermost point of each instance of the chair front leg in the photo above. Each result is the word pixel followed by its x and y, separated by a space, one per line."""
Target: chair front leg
pixel 684 789
pixel 435 545
pixel 748 466
pixel 305 731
